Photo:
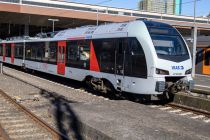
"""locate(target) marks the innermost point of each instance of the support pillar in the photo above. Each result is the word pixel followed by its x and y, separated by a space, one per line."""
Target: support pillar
pixel 194 34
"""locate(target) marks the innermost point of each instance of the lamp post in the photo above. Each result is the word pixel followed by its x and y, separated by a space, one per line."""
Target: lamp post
pixel 53 21
pixel 97 18
pixel 194 41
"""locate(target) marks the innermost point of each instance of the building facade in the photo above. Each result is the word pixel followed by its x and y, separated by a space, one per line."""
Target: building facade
pixel 161 6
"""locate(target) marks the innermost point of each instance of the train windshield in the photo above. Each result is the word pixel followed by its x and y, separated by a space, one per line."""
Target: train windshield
pixel 168 44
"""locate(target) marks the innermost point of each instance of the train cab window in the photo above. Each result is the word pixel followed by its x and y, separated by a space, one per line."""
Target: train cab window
pixel 207 58
pixel 19 50
pixel 8 50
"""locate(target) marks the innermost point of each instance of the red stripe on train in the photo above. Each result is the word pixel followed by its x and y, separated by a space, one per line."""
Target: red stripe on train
pixel 76 38
pixel 93 59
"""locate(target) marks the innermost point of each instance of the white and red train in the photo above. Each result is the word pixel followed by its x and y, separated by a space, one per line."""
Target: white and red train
pixel 141 57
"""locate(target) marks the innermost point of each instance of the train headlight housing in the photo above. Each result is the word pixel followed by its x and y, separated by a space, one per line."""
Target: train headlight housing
pixel 162 72
pixel 188 71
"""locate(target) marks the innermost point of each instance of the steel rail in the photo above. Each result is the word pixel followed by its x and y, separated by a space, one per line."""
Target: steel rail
pixel 191 109
pixel 55 134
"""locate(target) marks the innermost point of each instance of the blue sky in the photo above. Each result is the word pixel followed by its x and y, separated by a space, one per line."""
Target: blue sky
pixel 203 6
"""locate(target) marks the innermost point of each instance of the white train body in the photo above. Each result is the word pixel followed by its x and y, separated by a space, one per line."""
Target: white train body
pixel 143 57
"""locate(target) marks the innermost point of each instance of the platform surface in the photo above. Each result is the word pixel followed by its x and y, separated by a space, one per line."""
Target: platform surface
pixel 202 82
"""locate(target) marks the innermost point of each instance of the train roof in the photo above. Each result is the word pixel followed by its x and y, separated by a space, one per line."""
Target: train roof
pixel 88 32
pixel 91 32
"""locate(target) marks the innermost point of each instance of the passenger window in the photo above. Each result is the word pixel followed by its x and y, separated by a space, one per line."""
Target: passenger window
pixel 38 48
pixel 207 58
pixel 19 50
pixel 52 52
pixel 73 51
pixel 78 54
pixel 107 55
pixel 28 51
pixel 46 50
pixel 84 50
pixel 8 50
pixel 33 53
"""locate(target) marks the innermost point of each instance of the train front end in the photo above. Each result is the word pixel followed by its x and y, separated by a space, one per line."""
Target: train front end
pixel 172 60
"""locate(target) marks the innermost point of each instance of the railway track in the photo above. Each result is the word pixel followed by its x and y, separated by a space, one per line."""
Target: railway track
pixel 18 123
pixel 190 109
pixel 186 111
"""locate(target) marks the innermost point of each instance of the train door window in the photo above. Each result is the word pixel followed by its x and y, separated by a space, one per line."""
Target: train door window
pixel 1 50
pixel 139 66
pixel 8 50
pixel 207 58
pixel 61 54
pixel 52 52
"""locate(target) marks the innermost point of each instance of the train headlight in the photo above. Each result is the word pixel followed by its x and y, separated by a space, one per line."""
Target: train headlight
pixel 162 72
pixel 188 71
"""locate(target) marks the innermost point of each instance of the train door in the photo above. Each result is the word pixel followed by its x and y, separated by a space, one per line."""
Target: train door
pixel 4 52
pixel 119 63
pixel 61 57
pixel 206 62
pixel 12 53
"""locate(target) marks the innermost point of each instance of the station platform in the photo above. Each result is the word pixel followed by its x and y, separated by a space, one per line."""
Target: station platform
pixel 102 119
pixel 202 84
